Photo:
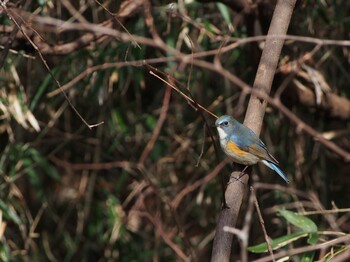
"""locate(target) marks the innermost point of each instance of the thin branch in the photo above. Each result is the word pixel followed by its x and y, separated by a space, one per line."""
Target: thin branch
pixel 262 223
pixel 12 36
pixel 182 94
pixel 177 200
pixel 114 16
pixel 158 127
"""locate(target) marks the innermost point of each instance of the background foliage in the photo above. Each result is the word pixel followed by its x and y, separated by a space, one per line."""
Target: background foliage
pixel 70 193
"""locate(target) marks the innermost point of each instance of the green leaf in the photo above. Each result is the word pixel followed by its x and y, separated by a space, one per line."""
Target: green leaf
pixel 225 14
pixel 278 242
pixel 119 122
pixel 9 213
pixel 40 91
pixel 151 122
pixel 44 164
pixel 308 257
pixel 5 253
pixel 313 238
pixel 300 221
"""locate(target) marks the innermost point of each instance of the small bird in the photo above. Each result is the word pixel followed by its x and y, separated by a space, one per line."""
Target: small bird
pixel 243 145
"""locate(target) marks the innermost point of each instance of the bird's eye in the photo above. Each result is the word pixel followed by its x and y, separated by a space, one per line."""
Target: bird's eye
pixel 225 123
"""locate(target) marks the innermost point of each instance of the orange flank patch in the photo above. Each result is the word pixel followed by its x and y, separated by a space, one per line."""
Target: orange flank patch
pixel 235 149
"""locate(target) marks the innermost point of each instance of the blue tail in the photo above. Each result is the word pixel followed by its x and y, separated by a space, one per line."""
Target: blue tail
pixel 276 168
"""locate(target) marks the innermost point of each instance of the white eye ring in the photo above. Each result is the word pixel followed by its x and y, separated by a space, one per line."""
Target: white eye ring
pixel 225 123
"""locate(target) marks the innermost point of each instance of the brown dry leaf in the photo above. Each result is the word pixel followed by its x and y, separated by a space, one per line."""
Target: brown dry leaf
pixel 16 109
pixel 2 226
pixel 20 112
pixel 319 83
pixel 32 120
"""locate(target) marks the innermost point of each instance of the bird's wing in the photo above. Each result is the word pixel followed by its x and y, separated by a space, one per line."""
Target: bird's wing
pixel 262 153
pixel 248 141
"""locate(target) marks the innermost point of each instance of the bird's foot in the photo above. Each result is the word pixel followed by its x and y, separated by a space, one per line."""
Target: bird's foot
pixel 239 177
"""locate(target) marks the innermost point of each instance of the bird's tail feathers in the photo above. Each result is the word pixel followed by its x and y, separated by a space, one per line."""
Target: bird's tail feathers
pixel 276 169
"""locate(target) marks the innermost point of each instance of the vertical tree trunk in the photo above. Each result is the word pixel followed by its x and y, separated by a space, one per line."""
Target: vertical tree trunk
pixel 255 113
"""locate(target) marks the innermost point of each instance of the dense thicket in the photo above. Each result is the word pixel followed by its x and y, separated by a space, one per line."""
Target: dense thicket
pixel 142 185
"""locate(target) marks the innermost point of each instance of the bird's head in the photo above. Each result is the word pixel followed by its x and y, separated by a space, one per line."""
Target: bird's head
pixel 224 125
